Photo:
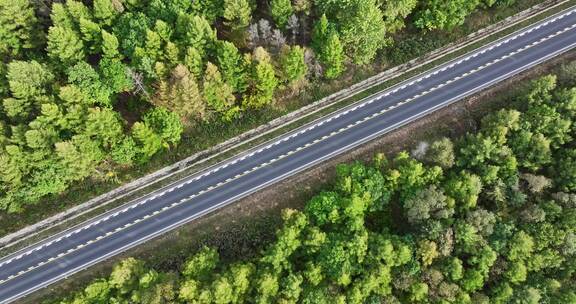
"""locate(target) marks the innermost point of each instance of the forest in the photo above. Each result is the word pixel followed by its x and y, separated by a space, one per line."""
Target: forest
pixel 489 217
pixel 87 87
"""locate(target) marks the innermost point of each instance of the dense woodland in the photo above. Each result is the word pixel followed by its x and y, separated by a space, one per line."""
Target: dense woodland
pixel 87 87
pixel 486 218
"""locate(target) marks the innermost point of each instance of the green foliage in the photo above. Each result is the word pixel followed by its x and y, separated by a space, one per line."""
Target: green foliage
pixel 181 94
pixel 333 56
pixel 64 46
pixel 201 264
pixel 28 80
pixel 110 46
pixel 442 14
pixel 196 32
pixel 326 43
pixel 218 94
pixel 363 31
pixel 147 141
pixel 263 81
pixel 107 11
pixel 292 63
pixel 281 10
pixel 165 123
pixel 64 75
pixel 237 13
pixel 230 62
pixel 441 153
pixel 88 80
pixel 19 30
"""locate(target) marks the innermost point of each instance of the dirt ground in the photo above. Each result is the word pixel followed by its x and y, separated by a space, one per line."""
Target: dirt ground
pixel 240 230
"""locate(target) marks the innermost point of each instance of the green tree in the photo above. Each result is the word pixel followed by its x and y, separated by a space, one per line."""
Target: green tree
pixel 165 123
pixel 230 62
pixel 64 46
pixel 263 82
pixel 130 28
pixel 333 56
pixel 564 170
pixel 194 62
pixel 418 292
pixel 90 83
pixel 281 10
pixel 125 275
pixel 201 264
pixel 363 30
pixel 442 14
pixel 106 11
pixel 237 13
pixel 428 203
pixel 292 63
pixel 124 152
pixel 28 80
pixel 181 94
pixel 110 46
pixel 103 126
pixel 441 153
pixel 218 94
pixel 195 31
pixel 115 75
pixel 98 292
pixel 147 141
pixel 19 30
pixel 91 35
pixel 464 188
pixel 532 150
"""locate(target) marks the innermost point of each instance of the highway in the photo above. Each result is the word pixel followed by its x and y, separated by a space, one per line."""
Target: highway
pixel 116 231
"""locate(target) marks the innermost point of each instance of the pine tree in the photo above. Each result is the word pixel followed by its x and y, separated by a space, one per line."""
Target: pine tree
pixel 218 94
pixel 164 123
pixel 193 61
pixel 107 10
pixel 263 81
pixel 363 31
pixel 147 141
pixel 229 61
pixel 320 34
pixel 237 13
pixel 333 56
pixel 110 46
pixel 181 94
pixel 18 28
pixel 91 35
pixel 65 46
pixel 28 80
pixel 292 62
pixel 195 31
pixel 281 10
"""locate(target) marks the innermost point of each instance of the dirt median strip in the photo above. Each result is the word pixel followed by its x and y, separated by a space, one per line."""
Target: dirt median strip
pixel 134 189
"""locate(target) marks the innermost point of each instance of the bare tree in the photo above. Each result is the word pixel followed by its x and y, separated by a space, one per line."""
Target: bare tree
pixel 253 36
pixel 277 40
pixel 293 26
pixel 314 66
pixel 138 80
pixel 265 29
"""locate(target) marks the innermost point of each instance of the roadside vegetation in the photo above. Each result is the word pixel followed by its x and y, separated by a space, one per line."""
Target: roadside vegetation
pixel 486 218
pixel 90 89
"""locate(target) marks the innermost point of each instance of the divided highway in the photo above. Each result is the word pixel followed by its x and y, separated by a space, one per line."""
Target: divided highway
pixel 127 226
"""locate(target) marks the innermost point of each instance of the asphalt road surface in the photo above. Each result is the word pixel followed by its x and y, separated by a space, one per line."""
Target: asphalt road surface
pixel 127 226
